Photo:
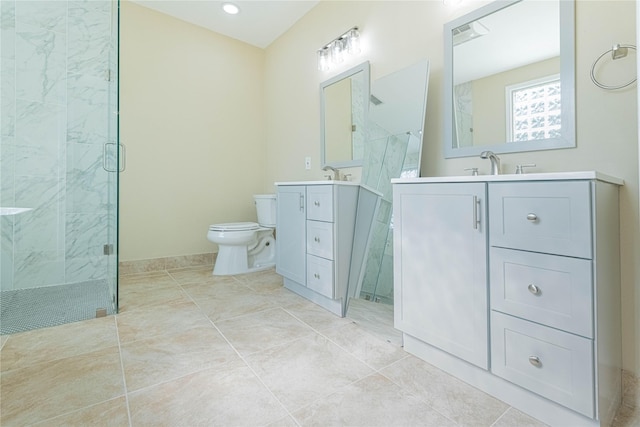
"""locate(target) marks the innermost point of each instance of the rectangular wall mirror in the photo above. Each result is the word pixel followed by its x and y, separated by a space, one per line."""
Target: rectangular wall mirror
pixel 344 108
pixel 510 78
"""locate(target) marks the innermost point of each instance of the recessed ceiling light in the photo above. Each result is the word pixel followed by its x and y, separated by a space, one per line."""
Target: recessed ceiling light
pixel 230 8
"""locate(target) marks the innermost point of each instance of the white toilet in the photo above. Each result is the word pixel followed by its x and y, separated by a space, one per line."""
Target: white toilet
pixel 245 247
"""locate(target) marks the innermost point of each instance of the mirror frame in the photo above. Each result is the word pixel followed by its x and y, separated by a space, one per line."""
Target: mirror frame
pixel 567 81
pixel 365 69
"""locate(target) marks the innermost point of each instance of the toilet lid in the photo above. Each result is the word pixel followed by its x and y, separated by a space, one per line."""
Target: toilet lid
pixel 234 226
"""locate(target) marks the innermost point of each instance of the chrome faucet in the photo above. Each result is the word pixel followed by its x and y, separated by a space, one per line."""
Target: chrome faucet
pixel 336 172
pixel 495 161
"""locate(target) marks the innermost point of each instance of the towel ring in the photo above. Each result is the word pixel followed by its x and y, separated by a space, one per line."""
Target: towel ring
pixel 617 51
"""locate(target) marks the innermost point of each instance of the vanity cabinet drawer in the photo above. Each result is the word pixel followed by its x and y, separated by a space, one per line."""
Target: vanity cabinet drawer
pixel 320 275
pixel 549 289
pixel 320 202
pixel 555 364
pixel 320 239
pixel 549 217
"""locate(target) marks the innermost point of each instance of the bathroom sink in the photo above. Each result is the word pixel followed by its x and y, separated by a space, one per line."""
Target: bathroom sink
pixel 13 211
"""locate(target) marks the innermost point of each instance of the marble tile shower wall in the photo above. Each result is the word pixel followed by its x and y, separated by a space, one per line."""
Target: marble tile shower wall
pixel 383 161
pixel 55 86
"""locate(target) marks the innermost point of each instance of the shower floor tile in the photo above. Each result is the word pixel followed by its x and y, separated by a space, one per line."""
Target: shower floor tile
pixel 26 309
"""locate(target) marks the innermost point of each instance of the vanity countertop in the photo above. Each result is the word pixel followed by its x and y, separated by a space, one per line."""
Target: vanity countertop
pixel 330 182
pixel 549 176
pixel 319 182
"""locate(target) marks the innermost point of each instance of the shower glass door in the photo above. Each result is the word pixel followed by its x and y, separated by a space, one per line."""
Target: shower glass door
pixel 59 162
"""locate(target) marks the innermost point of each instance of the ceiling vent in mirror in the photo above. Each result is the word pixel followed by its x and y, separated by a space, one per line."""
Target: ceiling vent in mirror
pixel 469 31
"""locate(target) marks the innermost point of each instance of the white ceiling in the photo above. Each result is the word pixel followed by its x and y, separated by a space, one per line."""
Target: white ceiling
pixel 259 22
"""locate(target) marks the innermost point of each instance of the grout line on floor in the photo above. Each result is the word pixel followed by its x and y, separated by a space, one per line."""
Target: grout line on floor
pixel 124 378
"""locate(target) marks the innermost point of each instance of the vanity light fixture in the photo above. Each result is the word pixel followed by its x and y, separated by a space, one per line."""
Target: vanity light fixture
pixel 230 8
pixel 334 51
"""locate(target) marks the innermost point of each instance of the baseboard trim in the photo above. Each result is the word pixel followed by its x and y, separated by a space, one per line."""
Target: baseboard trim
pixel 166 263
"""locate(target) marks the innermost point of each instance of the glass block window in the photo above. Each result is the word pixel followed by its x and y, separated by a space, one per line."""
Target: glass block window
pixel 533 109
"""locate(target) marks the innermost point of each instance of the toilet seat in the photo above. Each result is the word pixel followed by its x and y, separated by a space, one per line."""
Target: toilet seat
pixel 234 226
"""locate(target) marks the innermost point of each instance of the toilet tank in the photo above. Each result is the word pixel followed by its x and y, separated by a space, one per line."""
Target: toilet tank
pixel 266 209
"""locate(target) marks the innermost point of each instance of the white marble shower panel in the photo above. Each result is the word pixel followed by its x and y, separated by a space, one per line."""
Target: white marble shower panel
pixel 54 122
pixel 376 252
pixel 41 228
pixel 46 15
pixel 39 124
pixel 85 235
pixel 392 165
pixel 89 38
pixel 87 109
pixel 7 30
pixel 7 168
pixel 35 269
pixel 7 96
pixel 85 268
pixel 374 156
pixel 41 65
pixel 87 181
pixel 6 253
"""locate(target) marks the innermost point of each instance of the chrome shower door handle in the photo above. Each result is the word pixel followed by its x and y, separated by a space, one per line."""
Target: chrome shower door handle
pixel 121 154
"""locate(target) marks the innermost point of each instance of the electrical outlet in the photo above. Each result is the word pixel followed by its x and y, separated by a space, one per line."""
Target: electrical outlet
pixel 307 163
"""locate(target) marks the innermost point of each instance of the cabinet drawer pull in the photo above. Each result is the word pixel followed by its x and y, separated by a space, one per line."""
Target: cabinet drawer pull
pixel 317 203
pixel 535 361
pixel 476 207
pixel 532 217
pixel 534 289
pixel 316 239
pixel 316 275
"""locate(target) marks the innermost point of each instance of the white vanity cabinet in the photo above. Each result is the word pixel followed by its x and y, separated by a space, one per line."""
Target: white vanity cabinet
pixel 321 243
pixel 438 226
pixel 551 299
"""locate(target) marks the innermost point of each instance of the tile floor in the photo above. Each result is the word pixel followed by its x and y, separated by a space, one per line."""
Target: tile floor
pixel 190 349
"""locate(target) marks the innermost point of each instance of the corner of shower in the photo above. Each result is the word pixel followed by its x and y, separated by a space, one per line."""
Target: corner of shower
pixel 59 159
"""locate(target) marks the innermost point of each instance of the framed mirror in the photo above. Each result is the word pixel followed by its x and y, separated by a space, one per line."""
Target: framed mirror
pixel 510 78
pixel 344 110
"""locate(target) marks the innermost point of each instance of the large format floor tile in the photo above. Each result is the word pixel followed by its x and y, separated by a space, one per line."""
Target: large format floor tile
pixel 372 401
pixel 192 349
pixel 59 342
pixel 161 358
pixel 262 330
pixel 307 369
pixel 230 395
pixel 48 389
pixel 451 397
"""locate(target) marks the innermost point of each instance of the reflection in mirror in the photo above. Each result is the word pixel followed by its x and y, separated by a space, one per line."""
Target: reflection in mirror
pixel 396 121
pixel 509 78
pixel 343 116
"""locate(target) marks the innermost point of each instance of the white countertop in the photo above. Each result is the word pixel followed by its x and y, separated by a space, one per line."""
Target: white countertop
pixel 320 182
pixel 550 176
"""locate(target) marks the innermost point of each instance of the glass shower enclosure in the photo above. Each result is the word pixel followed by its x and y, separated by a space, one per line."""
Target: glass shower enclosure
pixel 59 162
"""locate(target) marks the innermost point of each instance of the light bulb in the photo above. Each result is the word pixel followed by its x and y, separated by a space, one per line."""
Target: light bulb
pixel 230 8
pixel 323 59
pixel 337 51
pixel 353 41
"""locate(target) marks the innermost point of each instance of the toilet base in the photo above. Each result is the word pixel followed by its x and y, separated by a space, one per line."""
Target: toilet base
pixel 233 260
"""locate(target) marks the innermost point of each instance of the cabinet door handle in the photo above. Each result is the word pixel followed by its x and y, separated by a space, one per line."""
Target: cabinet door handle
pixel 316 275
pixel 317 203
pixel 316 239
pixel 535 361
pixel 532 217
pixel 476 217
pixel 301 202
pixel 534 289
